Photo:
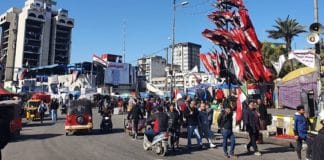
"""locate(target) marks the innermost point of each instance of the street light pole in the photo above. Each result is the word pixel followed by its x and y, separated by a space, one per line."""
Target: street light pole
pixel 173 42
pixel 172 47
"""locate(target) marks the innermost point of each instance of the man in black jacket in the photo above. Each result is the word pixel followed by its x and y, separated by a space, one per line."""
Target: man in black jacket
pixel 225 123
pixel 135 114
pixel 174 126
pixel 191 114
pixel 252 123
pixel 318 143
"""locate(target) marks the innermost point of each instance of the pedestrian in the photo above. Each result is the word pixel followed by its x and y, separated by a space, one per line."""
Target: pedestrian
pixel 301 126
pixel 263 114
pixel 318 143
pixel 191 114
pixel 203 123
pixel 210 113
pixel 5 118
pixel 174 126
pixel 225 123
pixel 54 106
pixel 41 110
pixel 252 123
pixel 135 115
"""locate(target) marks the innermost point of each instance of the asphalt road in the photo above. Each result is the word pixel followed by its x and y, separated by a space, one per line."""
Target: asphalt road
pixel 48 142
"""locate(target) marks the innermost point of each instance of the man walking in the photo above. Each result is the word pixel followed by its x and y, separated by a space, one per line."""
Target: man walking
pixel 225 123
pixel 300 129
pixel 252 123
pixel 203 123
pixel 135 114
pixel 191 114
pixel 54 106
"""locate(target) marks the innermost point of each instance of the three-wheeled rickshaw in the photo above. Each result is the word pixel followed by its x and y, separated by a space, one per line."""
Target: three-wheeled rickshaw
pixel 79 116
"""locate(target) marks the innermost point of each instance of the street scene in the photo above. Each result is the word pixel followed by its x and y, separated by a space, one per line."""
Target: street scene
pixel 177 79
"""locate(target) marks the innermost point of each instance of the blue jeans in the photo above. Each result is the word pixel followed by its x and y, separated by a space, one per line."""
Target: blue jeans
pixel 54 115
pixel 150 134
pixel 228 134
pixel 193 129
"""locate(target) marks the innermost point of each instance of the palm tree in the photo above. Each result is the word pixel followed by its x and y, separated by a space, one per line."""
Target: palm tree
pixel 286 29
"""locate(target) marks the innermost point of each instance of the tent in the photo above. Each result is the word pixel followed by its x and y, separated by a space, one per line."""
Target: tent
pixel 292 85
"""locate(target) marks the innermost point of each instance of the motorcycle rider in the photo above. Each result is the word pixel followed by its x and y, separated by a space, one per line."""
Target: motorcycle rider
pixel 135 114
pixel 160 120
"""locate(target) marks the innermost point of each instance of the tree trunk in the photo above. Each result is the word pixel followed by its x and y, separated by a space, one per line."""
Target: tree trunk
pixel 288 48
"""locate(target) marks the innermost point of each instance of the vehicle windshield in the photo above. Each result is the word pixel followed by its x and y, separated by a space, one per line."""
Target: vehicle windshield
pixel 80 107
pixel 33 103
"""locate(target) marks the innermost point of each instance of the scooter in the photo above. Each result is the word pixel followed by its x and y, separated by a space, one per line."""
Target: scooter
pixel 159 144
pixel 106 124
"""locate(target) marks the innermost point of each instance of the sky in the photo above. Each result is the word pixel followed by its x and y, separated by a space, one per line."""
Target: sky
pixel 102 26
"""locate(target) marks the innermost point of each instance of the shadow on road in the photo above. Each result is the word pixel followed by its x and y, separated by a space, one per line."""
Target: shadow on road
pixel 99 132
pixel 35 137
pixel 277 150
pixel 38 124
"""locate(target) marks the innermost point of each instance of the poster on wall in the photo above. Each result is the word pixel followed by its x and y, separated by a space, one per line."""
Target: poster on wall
pixel 117 73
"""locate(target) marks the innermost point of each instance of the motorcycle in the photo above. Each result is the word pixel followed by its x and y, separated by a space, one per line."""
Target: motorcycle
pixel 106 124
pixel 159 144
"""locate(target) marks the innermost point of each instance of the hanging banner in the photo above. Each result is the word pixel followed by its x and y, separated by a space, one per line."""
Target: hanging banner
pixel 278 65
pixel 306 57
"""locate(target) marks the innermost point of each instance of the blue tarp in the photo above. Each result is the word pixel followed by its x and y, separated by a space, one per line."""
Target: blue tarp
pixel 226 86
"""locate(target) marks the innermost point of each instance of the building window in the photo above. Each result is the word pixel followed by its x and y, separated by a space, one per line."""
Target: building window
pixel 41 17
pixel 70 22
pixel 61 21
pixel 32 15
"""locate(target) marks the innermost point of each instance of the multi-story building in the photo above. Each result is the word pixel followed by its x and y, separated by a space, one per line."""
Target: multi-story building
pixel 187 56
pixel 182 81
pixel 41 34
pixel 8 25
pixel 152 66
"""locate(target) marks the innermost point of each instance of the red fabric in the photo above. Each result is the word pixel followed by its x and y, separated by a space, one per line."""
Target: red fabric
pixel 239 106
pixel 219 94
pixel 42 96
pixel 206 59
pixel 156 126
pixel 4 91
pixel 182 106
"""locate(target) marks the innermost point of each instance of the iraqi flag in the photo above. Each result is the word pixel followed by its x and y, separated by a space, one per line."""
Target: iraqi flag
pixel 99 60
pixel 239 104
pixel 238 67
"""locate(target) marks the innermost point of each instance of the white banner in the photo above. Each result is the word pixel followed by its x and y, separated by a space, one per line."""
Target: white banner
pixel 306 57
pixel 278 65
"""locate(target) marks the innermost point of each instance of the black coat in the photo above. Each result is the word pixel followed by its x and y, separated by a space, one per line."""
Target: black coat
pixel 263 111
pixel 135 113
pixel 174 119
pixel 192 119
pixel 318 146
pixel 251 121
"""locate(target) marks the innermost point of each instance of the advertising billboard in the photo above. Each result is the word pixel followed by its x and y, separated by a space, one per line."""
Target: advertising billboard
pixel 117 73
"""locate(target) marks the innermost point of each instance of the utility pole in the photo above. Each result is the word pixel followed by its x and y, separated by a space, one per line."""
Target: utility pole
pixel 166 75
pixel 172 47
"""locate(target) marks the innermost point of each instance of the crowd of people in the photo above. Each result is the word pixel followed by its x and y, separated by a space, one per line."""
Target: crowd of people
pixel 196 115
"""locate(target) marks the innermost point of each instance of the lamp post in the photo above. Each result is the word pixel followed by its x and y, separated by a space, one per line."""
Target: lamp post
pixel 173 40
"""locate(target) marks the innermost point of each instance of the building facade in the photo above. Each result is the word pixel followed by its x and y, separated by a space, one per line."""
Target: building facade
pixel 183 81
pixel 187 56
pixel 151 67
pixel 41 34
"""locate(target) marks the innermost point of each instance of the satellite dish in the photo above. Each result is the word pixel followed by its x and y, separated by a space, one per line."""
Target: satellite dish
pixel 313 38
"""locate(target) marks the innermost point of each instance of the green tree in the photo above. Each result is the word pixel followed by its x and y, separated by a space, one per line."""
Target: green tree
pixel 286 29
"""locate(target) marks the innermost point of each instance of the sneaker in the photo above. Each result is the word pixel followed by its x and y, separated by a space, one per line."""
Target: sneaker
pixel 211 145
pixel 226 155
pixel 257 153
